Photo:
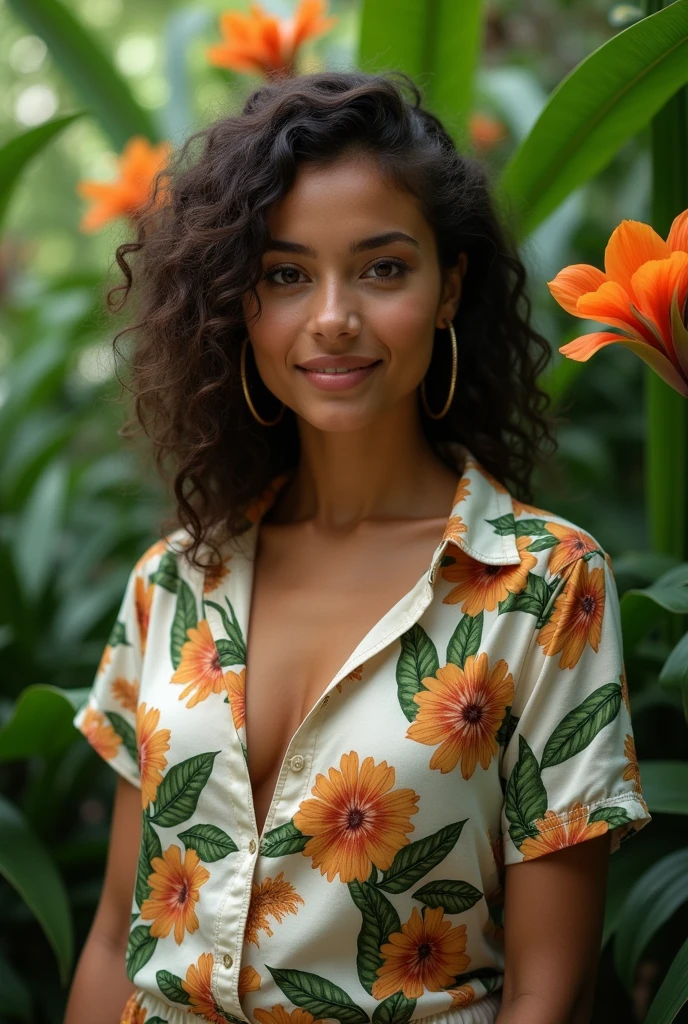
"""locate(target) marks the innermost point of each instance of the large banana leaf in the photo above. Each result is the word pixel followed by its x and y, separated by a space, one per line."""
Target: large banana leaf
pixel 16 154
pixel 41 722
pixel 89 69
pixel 436 42
pixel 673 992
pixel 665 786
pixel 601 104
pixel 27 866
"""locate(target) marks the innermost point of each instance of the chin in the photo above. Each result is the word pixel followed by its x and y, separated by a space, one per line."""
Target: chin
pixel 340 421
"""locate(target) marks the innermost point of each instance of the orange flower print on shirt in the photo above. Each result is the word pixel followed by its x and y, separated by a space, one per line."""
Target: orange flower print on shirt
pixel 125 693
pixel 215 574
pixel 462 996
pixel 236 691
pixel 200 666
pixel 624 690
pixel 556 832
pixel 481 587
pixel 198 986
pixel 151 746
pixel 105 659
pixel 144 599
pixel 278 1015
pixel 462 709
pixel 572 544
pixel 632 770
pixel 428 952
pixel 100 734
pixel 576 620
pixel 249 980
pixel 356 674
pixel 175 889
pixel 356 820
pixel 522 507
pixel 132 1012
pixel 273 896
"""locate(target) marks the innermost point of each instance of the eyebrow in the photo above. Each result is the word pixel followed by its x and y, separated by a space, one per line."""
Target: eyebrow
pixel 374 242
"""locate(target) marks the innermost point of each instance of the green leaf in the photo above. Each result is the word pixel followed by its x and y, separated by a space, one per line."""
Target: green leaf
pixel 150 847
pixel 614 816
pixel 415 860
pixel 118 635
pixel 533 599
pixel 237 645
pixel 673 992
pixel 26 864
pixel 88 69
pixel 417 661
pixel 167 573
pixel 319 996
pixel 526 798
pixel 396 1009
pixel 140 949
pixel 180 789
pixel 41 722
pixel 380 919
pixel 16 997
pixel 602 103
pixel 126 734
pixel 673 676
pixel 652 901
pixel 171 987
pixel 453 896
pixel 36 535
pixel 230 653
pixel 209 842
pixel 282 841
pixel 465 639
pixel 579 727
pixel 665 786
pixel 185 617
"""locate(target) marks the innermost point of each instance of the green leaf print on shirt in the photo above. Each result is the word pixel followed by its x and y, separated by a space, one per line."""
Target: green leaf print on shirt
pixel 614 816
pixel 417 660
pixel 167 573
pixel 140 949
pixel 171 987
pixel 150 847
pixel 322 998
pixel 232 651
pixel 465 639
pixel 526 798
pixel 185 617
pixel 178 793
pixel 578 728
pixel 416 859
pixel 118 635
pixel 281 841
pixel 209 842
pixel 380 919
pixel 533 599
pixel 453 896
pixel 126 734
pixel 396 1009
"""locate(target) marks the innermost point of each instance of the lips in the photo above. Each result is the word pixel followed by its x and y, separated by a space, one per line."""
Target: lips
pixel 340 363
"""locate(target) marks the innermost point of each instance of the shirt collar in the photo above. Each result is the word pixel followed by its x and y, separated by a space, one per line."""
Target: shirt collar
pixel 481 520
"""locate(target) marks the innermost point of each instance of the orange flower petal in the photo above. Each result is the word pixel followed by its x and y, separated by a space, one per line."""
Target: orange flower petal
pixel 612 305
pixel 574 281
pixel 630 245
pixel 654 284
pixel 678 233
pixel 309 22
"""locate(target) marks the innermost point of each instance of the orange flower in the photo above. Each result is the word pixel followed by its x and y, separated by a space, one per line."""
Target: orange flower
pixel 557 832
pixel 355 674
pixel 151 746
pixel 462 709
pixel 632 770
pixel 100 734
pixel 249 980
pixel 125 693
pixel 521 506
pixel 236 690
pixel 200 666
pixel 128 194
pixel 132 1012
pixel 481 586
pixel 198 985
pixel 175 889
pixel 275 897
pixel 573 544
pixel 642 291
pixel 577 617
pixel 261 43
pixel 215 574
pixel 143 601
pixel 428 952
pixel 105 659
pixel 462 996
pixel 485 131
pixel 624 689
pixel 356 819
pixel 278 1015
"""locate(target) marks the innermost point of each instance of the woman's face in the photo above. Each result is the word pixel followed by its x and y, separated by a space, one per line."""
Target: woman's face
pixel 350 278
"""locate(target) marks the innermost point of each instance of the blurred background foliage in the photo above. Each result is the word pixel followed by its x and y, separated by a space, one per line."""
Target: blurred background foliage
pixel 77 507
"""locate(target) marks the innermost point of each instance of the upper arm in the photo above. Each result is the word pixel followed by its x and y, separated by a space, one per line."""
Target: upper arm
pixel 553 918
pixel 113 916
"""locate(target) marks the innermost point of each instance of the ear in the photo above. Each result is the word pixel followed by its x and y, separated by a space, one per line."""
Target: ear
pixel 452 283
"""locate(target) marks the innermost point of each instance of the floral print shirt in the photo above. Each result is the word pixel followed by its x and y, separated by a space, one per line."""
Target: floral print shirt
pixel 483 721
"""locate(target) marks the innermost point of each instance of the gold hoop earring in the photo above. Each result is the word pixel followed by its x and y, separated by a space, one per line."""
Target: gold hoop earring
pixel 452 386
pixel 244 384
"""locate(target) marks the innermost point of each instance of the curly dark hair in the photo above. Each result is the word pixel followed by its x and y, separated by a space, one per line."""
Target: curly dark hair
pixel 199 250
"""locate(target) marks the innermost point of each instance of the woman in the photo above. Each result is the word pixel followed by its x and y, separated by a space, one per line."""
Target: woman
pixel 371 703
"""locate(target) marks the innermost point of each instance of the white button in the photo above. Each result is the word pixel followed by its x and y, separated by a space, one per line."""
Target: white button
pixel 227 960
pixel 252 846
pixel 296 763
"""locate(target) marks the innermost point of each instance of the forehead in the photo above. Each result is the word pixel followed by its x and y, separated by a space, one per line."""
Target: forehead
pixel 350 197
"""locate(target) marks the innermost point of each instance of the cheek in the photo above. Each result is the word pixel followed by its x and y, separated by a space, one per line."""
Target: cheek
pixel 406 328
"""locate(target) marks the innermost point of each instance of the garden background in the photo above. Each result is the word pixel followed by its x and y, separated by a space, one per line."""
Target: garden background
pixel 579 108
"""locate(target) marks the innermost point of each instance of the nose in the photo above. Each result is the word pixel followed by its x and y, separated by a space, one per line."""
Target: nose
pixel 334 316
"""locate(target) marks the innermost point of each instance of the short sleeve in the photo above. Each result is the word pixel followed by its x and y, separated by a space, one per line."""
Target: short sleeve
pixel 568 768
pixel 108 718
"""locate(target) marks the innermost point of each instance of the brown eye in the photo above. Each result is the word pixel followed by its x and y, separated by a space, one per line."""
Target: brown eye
pixel 282 275
pixel 388 270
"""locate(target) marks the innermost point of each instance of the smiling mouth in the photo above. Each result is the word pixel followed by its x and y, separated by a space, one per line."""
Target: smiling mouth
pixel 333 369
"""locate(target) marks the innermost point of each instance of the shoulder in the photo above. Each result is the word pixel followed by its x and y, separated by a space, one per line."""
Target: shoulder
pixel 553 543
pixel 168 551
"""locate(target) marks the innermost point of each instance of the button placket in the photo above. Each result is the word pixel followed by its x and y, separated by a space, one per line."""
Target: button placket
pixel 296 762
